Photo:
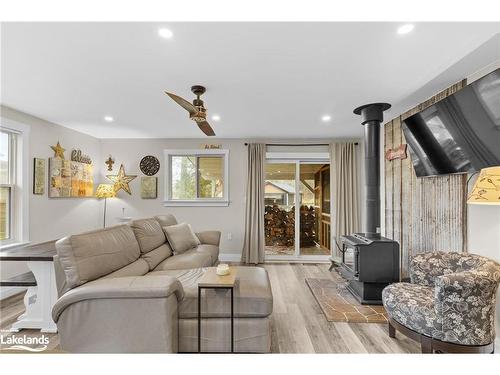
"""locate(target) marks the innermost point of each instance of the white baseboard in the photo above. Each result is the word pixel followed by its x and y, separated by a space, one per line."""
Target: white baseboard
pixel 277 259
pixel 229 257
pixel 7 291
pixel 299 261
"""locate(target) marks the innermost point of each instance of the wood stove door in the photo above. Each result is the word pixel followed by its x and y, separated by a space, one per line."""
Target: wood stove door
pixel 349 258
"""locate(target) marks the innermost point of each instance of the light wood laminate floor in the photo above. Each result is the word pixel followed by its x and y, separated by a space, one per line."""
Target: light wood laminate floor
pixel 298 324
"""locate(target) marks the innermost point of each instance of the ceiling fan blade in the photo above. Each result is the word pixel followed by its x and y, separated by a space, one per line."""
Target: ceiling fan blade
pixel 206 128
pixel 183 103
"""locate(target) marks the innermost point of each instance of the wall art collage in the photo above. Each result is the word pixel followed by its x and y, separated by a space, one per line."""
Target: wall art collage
pixel 70 179
pixel 74 177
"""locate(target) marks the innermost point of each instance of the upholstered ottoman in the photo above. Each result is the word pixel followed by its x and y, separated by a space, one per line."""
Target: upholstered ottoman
pixel 253 304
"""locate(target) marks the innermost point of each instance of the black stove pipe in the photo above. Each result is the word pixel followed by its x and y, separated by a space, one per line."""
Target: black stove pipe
pixel 372 116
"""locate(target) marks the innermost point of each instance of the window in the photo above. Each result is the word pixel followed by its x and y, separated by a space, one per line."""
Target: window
pixel 196 177
pixel 7 182
pixel 13 182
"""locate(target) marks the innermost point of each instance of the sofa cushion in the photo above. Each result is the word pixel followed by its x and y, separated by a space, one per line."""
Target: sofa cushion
pixel 148 233
pixel 138 268
pixel 107 290
pixel 88 256
pixel 181 237
pixel 189 259
pixel 412 305
pixel 209 237
pixel 212 250
pixel 166 220
pixel 253 297
pixel 156 256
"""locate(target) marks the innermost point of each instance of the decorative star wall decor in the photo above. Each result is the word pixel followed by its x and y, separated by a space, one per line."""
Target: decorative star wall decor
pixel 121 180
pixel 58 150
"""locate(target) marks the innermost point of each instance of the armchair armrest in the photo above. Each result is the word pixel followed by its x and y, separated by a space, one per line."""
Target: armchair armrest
pixel 149 286
pixel 210 237
pixel 465 301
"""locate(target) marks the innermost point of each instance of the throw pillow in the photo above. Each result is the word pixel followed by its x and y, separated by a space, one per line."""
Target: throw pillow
pixel 181 237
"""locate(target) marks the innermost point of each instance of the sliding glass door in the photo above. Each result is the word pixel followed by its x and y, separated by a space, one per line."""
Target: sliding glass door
pixel 314 218
pixel 279 218
pixel 297 209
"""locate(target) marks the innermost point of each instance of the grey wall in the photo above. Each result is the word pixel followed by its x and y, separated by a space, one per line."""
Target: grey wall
pixel 54 218
pixel 229 219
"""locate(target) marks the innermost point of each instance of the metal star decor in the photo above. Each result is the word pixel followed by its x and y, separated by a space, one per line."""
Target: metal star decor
pixel 121 180
pixel 58 150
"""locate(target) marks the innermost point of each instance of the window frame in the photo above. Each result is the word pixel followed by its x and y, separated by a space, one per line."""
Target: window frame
pixel 11 182
pixel 209 202
pixel 19 183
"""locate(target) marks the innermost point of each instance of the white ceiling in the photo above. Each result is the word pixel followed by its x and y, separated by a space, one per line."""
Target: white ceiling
pixel 263 79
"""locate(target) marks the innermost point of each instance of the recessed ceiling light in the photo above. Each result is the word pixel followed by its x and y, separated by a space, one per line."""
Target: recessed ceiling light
pixel 405 29
pixel 326 118
pixel 165 33
pixel 108 119
pixel 216 117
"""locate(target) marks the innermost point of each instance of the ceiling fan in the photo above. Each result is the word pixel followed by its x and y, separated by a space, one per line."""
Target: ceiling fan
pixel 197 111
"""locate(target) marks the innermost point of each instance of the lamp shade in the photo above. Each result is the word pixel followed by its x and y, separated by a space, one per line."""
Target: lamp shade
pixel 486 188
pixel 105 191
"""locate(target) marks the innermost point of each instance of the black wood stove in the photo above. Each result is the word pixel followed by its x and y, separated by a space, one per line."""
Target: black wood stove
pixel 370 262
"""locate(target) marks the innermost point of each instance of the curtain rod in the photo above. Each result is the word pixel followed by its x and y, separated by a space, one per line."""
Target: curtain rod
pixel 298 144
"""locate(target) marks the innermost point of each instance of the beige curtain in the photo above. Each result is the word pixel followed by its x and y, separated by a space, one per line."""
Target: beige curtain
pixel 253 246
pixel 345 190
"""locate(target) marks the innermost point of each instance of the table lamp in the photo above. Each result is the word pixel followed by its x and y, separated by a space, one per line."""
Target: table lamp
pixel 105 191
pixel 486 189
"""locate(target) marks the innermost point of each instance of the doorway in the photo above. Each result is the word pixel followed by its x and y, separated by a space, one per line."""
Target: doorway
pixel 297 209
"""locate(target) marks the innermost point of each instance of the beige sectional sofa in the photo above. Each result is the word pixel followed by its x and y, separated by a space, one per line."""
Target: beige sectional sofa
pixel 122 289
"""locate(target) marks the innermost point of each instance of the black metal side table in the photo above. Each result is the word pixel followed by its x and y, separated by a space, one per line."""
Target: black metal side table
pixel 210 280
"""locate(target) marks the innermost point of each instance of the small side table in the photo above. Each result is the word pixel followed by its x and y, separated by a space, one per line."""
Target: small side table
pixel 210 280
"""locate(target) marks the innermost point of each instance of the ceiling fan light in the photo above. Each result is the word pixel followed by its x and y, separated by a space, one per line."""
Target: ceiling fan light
pixel 405 29
pixel 199 117
pixel 165 33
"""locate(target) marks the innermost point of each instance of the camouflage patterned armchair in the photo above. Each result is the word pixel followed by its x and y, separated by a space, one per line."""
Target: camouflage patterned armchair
pixel 449 304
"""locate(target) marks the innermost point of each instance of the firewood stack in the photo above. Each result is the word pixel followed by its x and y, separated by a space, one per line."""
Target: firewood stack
pixel 307 226
pixel 280 226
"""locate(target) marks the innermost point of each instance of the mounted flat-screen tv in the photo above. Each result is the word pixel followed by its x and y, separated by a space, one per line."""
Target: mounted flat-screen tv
pixel 459 134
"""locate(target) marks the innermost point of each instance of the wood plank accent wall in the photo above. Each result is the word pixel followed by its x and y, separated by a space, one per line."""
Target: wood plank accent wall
pixel 422 214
